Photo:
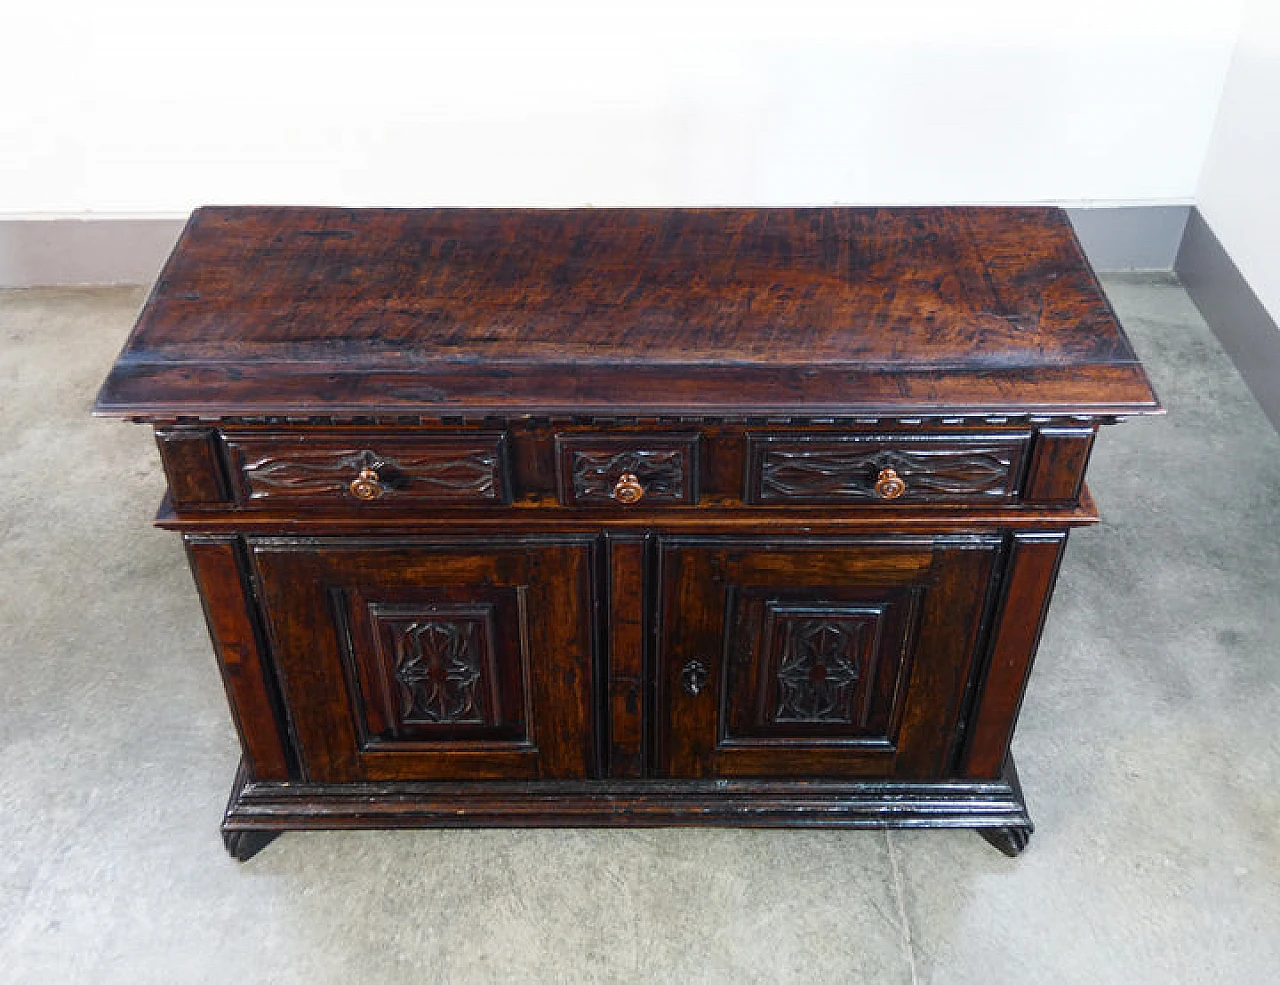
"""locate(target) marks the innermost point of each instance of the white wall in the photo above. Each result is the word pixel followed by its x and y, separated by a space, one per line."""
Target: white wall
pixel 155 106
pixel 1239 193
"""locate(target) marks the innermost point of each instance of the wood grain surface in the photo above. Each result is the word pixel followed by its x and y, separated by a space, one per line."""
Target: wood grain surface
pixel 306 310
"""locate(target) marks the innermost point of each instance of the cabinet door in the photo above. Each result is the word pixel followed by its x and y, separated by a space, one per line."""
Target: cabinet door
pixel 838 658
pixel 426 660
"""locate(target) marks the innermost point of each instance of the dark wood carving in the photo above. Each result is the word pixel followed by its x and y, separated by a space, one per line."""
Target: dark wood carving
pixel 839 471
pixel 827 668
pixel 822 664
pixel 660 472
pixel 434 664
pixel 439 666
pixel 609 516
pixel 821 660
pixel 591 467
pixel 468 475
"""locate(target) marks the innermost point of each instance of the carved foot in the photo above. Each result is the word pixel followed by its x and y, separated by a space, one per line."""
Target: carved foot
pixel 1011 841
pixel 244 845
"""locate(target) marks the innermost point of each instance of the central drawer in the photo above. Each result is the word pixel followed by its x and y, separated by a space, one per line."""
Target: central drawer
pixel 627 469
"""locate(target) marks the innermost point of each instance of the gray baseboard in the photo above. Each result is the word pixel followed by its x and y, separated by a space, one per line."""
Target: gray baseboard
pixel 1136 237
pixel 80 251
pixel 75 251
pixel 1243 326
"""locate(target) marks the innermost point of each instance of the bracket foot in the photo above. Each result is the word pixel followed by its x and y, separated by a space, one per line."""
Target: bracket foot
pixel 1011 841
pixel 244 845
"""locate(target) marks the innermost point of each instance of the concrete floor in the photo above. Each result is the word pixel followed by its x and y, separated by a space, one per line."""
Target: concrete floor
pixel 1149 750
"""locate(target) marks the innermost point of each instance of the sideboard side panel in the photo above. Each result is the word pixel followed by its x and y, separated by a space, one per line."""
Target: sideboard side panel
pixel 227 606
pixel 1032 571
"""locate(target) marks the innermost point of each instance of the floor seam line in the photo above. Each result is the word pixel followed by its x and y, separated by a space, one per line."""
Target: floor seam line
pixel 900 896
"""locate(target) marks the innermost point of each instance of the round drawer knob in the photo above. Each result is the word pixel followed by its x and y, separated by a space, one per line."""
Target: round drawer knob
pixel 628 489
pixel 889 484
pixel 367 485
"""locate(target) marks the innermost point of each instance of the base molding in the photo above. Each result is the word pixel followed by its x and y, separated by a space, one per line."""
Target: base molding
pixel 268 807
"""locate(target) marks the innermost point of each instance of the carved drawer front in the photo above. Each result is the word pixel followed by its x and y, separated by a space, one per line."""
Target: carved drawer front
pixel 633 470
pixel 370 469
pixel 844 658
pixel 902 469
pixel 433 660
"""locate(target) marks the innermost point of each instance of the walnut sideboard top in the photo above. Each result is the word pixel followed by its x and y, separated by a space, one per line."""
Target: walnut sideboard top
pixel 828 311
pixel 610 517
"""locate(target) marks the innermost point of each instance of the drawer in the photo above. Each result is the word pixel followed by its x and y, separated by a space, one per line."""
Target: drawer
pixel 369 469
pixel 902 469
pixel 627 470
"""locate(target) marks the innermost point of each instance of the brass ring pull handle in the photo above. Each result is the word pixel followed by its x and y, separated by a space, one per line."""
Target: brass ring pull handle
pixel 693 678
pixel 367 485
pixel 889 484
pixel 628 489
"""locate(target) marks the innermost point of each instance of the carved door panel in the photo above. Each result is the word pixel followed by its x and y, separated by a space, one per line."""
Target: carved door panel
pixel 839 658
pixel 426 660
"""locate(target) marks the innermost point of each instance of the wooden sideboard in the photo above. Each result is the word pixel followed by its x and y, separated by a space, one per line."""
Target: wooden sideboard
pixel 626 517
